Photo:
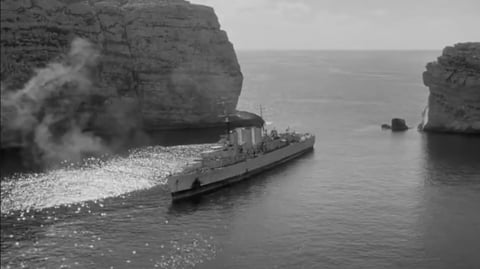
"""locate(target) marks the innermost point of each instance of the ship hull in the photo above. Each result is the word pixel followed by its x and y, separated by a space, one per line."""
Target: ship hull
pixel 193 184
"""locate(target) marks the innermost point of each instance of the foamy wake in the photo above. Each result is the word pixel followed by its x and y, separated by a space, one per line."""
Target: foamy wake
pixel 96 179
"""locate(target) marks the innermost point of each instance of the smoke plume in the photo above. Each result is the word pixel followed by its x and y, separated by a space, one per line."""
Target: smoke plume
pixel 49 113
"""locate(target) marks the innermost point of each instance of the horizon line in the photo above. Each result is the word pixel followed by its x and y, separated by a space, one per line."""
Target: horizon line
pixel 340 50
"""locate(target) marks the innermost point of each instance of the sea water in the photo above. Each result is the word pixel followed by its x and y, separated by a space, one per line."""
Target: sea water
pixel 365 198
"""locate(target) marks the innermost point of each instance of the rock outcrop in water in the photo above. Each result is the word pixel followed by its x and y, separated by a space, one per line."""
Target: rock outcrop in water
pixel 398 125
pixel 454 82
pixel 163 64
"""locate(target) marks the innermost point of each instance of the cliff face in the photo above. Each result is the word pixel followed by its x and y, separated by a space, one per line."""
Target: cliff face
pixel 454 83
pixel 161 63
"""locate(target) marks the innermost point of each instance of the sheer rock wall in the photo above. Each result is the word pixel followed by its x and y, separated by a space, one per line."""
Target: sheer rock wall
pixel 454 83
pixel 165 64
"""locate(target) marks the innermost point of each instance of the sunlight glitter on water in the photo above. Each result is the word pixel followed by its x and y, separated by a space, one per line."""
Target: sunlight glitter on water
pixel 53 248
pixel 95 178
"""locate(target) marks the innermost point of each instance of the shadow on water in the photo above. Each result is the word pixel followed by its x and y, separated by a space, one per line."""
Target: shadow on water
pixel 12 160
pixel 448 210
pixel 451 159
pixel 17 160
pixel 229 196
pixel 186 136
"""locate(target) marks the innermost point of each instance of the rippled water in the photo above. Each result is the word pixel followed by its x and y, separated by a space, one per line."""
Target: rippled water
pixel 96 178
pixel 366 198
pixel 57 202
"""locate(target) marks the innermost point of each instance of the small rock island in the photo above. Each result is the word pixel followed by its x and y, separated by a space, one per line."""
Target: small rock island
pixel 454 83
pixel 398 125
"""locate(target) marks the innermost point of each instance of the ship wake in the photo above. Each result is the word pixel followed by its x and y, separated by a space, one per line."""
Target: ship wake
pixel 95 178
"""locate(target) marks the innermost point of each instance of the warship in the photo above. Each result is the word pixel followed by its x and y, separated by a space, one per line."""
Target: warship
pixel 240 154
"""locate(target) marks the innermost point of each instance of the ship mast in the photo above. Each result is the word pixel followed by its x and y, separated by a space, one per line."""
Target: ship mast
pixel 226 117
pixel 264 131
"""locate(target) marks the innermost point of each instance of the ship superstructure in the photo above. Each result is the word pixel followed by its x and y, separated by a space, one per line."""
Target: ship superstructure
pixel 241 153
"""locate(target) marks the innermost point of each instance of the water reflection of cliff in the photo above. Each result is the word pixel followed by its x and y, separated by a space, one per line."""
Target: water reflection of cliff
pixel 451 159
pixel 14 160
pixel 448 212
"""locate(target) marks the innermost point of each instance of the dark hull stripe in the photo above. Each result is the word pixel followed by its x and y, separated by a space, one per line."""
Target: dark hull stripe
pixel 213 186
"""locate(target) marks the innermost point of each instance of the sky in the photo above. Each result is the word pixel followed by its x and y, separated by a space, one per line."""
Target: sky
pixel 347 24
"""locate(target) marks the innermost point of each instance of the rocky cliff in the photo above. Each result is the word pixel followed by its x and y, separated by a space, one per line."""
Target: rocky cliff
pixel 454 83
pixel 161 64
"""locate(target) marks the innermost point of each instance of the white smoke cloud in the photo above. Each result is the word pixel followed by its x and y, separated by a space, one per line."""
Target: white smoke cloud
pixel 46 111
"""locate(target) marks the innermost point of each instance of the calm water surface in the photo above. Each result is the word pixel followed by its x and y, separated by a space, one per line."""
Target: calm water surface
pixel 365 198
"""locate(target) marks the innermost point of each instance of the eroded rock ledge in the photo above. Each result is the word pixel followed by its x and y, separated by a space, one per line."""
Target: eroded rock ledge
pixel 454 83
pixel 166 61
